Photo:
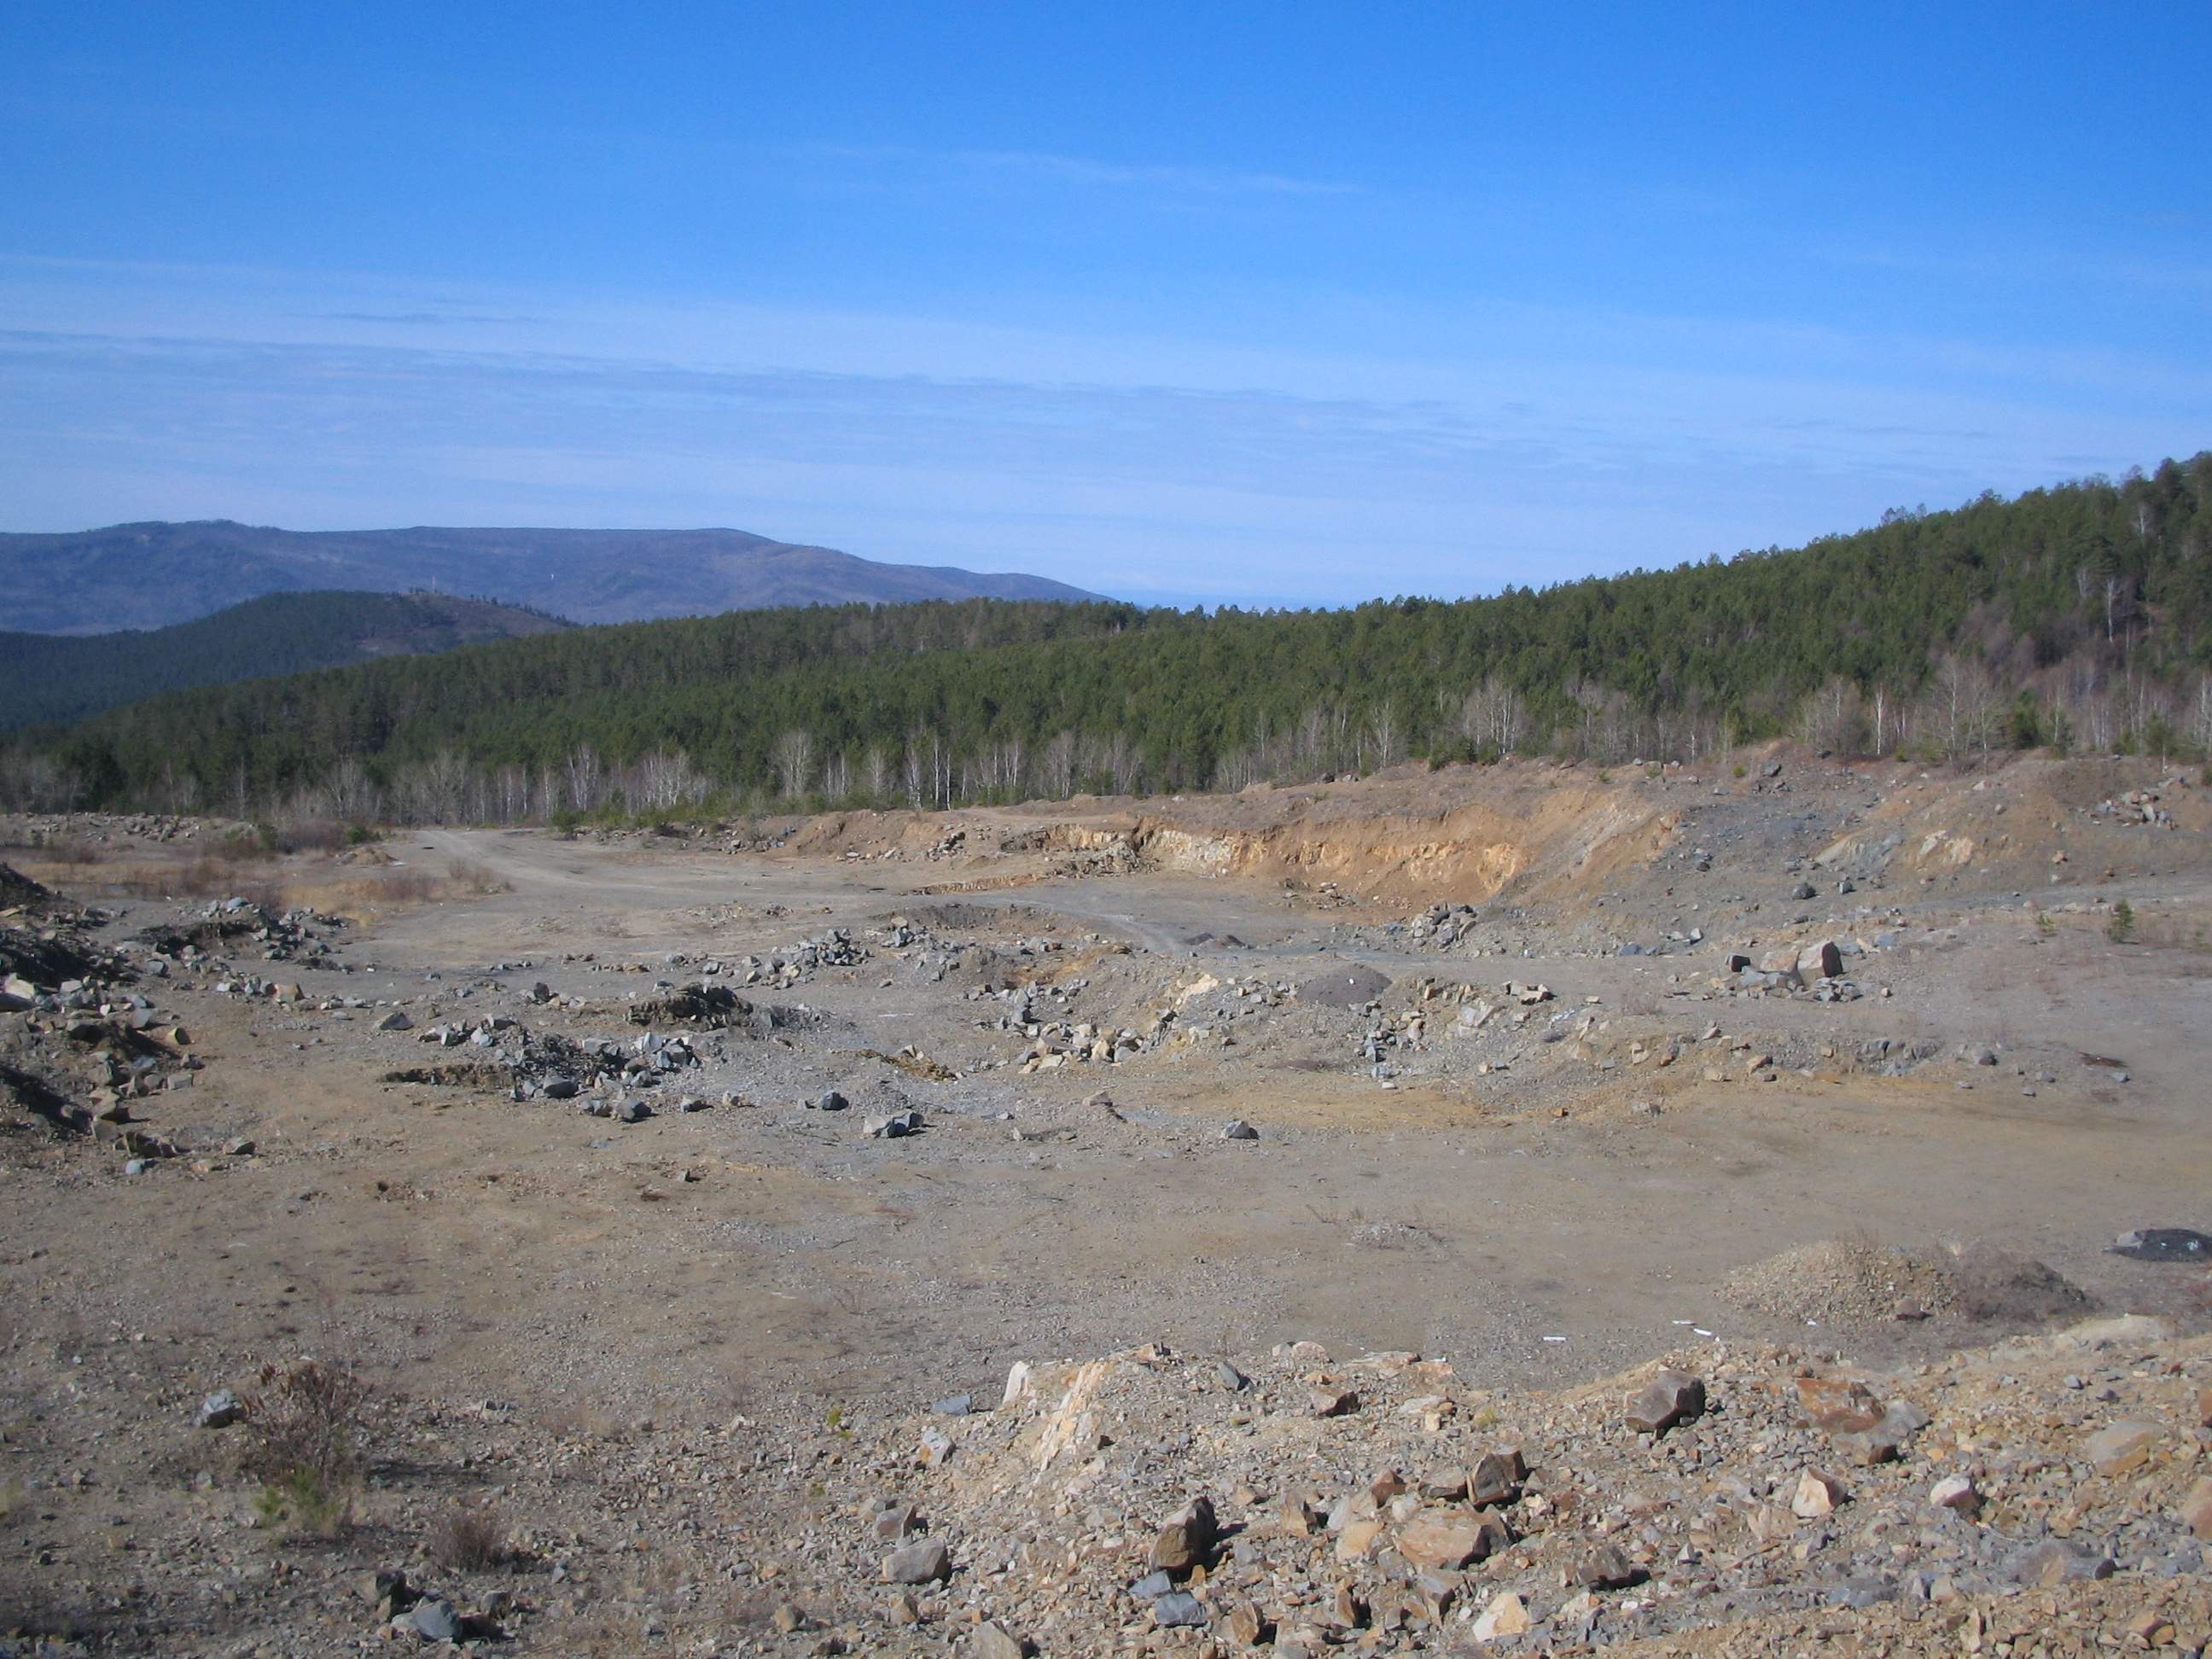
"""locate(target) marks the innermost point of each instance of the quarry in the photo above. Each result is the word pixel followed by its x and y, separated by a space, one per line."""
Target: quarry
pixel 1726 1208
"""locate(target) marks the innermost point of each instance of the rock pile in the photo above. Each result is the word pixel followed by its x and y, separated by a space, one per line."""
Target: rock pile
pixel 1313 1503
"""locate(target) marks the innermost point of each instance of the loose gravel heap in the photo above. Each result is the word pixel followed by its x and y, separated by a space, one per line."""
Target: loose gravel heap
pixel 1834 1283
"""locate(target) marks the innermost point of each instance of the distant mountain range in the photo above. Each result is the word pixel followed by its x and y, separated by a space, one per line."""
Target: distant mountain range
pixel 50 678
pixel 150 575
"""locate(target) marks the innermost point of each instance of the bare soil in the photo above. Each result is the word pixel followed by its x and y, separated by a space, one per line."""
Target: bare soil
pixel 1539 1198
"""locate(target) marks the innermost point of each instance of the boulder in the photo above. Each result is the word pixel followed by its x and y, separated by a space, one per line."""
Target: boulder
pixel 2055 1561
pixel 1817 1495
pixel 220 1410
pixel 2195 1508
pixel 1496 1477
pixel 1821 961
pixel 1179 1607
pixel 1443 1541
pixel 1956 1493
pixel 2119 1447
pixel 895 1524
pixel 921 1563
pixel 1187 1540
pixel 1506 1615
pixel 1668 1399
pixel 1887 1439
pixel 1603 1567
pixel 1356 1539
pixel 435 1619
pixel 1238 1129
pixel 1247 1625
pixel 1333 1402
pixel 1837 1405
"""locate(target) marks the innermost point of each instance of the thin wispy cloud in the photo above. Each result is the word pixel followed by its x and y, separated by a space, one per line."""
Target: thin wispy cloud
pixel 1482 466
pixel 1424 298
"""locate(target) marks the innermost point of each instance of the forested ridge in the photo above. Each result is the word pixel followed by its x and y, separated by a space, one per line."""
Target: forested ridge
pixel 2072 615
pixel 48 679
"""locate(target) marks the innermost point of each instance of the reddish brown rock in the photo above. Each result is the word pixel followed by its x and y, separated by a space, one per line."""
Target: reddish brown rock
pixel 1668 1399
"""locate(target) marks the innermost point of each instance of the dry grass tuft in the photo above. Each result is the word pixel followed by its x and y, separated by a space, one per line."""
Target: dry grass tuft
pixel 470 1538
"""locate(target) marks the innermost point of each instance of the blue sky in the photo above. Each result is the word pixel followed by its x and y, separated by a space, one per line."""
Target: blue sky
pixel 1263 304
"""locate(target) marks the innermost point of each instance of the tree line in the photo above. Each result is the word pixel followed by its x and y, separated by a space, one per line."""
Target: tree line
pixel 2070 616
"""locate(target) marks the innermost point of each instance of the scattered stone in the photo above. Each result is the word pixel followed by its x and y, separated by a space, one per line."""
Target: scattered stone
pixel 896 1127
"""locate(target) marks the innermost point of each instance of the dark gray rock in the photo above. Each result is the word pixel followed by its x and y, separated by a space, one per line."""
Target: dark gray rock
pixel 220 1410
pixel 435 1620
pixel 1179 1607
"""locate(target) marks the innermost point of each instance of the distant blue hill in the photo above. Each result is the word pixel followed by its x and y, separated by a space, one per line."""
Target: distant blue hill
pixel 150 575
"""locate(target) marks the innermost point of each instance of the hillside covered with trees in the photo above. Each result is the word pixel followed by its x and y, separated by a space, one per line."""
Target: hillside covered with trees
pixel 47 679
pixel 2077 616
